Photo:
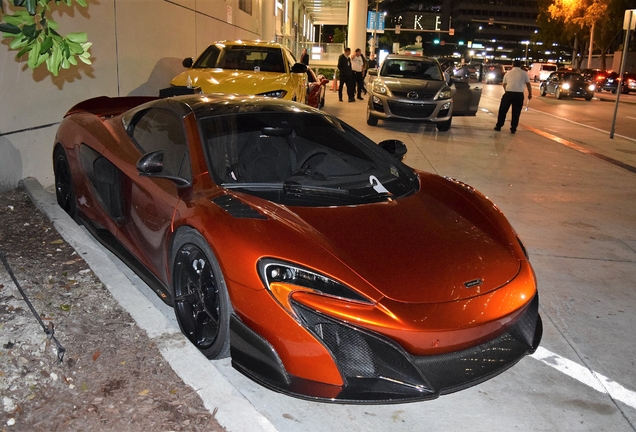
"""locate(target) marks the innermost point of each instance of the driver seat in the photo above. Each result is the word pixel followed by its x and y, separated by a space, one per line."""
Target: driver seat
pixel 266 159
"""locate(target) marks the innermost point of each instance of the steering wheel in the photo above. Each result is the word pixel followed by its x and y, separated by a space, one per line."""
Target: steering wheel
pixel 304 162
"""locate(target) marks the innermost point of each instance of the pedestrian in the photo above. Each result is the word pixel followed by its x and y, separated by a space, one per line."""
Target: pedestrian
pixel 372 63
pixel 346 75
pixel 304 57
pixel 514 82
pixel 357 65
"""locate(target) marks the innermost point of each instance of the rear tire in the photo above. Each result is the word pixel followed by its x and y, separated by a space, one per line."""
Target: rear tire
pixel 201 302
pixel 64 189
pixel 444 126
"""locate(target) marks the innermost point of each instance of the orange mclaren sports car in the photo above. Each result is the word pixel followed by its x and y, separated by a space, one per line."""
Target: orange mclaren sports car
pixel 324 266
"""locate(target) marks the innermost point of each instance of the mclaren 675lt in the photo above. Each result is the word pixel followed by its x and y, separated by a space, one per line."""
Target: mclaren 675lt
pixel 327 268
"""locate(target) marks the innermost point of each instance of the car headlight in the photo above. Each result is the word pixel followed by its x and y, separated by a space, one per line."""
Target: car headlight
pixel 592 87
pixel 283 278
pixel 379 87
pixel 491 75
pixel 274 94
pixel 565 86
pixel 444 93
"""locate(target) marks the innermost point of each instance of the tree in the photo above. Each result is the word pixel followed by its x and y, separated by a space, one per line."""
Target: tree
pixel 584 13
pixel 35 34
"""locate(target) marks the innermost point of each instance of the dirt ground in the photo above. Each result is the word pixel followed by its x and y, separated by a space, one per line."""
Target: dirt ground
pixel 111 376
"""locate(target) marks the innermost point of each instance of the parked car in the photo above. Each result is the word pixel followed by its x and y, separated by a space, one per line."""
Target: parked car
pixel 316 89
pixel 246 67
pixel 567 84
pixel 340 273
pixel 611 82
pixel 595 76
pixel 410 88
pixel 541 71
pixel 493 74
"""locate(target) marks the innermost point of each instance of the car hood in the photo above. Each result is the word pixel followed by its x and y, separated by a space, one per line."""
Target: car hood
pixel 232 81
pixel 435 246
pixel 406 85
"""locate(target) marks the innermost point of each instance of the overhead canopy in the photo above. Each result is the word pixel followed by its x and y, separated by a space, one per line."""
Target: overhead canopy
pixel 330 12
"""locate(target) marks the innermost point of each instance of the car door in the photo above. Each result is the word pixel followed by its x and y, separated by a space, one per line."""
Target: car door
pixel 552 82
pixel 153 200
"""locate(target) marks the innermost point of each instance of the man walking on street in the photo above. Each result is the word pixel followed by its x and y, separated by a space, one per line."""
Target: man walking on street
pixel 346 75
pixel 513 83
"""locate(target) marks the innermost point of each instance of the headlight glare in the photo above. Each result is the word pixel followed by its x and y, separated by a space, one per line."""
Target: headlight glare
pixel 274 94
pixel 566 86
pixel 282 279
pixel 444 93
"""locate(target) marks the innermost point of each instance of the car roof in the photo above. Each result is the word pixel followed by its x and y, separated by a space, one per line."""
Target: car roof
pixel 203 105
pixel 409 57
pixel 258 43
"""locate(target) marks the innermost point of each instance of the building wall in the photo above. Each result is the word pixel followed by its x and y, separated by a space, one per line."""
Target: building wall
pixel 138 46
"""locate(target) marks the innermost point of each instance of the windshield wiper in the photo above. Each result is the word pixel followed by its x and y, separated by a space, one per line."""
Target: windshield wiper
pixel 288 187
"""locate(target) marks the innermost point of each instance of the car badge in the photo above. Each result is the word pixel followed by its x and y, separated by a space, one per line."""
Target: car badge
pixel 412 95
pixel 394 171
pixel 473 283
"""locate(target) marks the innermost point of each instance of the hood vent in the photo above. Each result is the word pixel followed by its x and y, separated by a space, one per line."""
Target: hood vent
pixel 237 208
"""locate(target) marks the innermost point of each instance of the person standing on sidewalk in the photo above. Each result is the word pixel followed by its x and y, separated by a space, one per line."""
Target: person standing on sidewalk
pixel 357 65
pixel 346 75
pixel 513 83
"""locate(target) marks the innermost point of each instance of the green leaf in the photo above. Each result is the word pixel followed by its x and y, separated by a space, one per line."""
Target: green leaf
pixel 73 61
pixel 85 60
pixel 30 6
pixel 29 30
pixel 82 3
pixel 52 24
pixel 75 48
pixel 46 44
pixel 77 37
pixel 18 43
pixel 66 64
pixel 34 54
pixel 9 28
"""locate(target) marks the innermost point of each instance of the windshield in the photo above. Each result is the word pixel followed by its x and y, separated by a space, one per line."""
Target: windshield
pixel 239 57
pixel 412 68
pixel 301 158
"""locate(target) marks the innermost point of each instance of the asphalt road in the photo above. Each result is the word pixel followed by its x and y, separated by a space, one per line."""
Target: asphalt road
pixel 597 113
pixel 570 192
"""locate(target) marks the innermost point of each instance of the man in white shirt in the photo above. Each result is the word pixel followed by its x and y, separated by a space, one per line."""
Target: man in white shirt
pixel 513 83
pixel 357 65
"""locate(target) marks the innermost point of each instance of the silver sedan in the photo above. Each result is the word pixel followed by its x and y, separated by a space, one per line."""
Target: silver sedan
pixel 410 88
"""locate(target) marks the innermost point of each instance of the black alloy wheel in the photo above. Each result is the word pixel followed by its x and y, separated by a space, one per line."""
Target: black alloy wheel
pixel 64 191
pixel 201 302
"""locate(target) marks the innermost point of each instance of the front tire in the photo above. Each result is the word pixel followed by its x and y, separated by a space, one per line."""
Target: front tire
pixel 371 120
pixel 444 126
pixel 558 93
pixel 542 91
pixel 64 189
pixel 201 302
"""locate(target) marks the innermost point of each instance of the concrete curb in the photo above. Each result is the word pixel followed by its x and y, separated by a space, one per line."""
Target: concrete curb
pixel 233 411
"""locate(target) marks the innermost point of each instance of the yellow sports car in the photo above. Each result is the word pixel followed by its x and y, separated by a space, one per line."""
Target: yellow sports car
pixel 246 67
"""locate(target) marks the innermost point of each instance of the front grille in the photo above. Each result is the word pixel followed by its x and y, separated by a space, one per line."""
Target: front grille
pixel 414 110
pixel 367 360
pixel 420 96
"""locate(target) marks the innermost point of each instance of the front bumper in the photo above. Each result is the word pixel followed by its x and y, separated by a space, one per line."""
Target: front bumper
pixel 384 107
pixel 377 370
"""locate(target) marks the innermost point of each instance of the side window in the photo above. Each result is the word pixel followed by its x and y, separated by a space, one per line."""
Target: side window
pixel 159 129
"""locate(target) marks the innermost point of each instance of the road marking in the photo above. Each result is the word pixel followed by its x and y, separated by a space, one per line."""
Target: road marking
pixel 587 376
pixel 633 118
pixel 581 149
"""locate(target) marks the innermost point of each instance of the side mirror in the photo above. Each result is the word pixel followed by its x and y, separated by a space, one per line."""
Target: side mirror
pixel 299 68
pixel 151 165
pixel 394 147
pixel 373 72
pixel 187 62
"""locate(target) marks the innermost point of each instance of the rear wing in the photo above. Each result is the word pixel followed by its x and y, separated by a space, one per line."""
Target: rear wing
pixel 104 106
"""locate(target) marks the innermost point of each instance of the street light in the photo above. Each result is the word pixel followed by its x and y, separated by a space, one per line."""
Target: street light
pixel 526 57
